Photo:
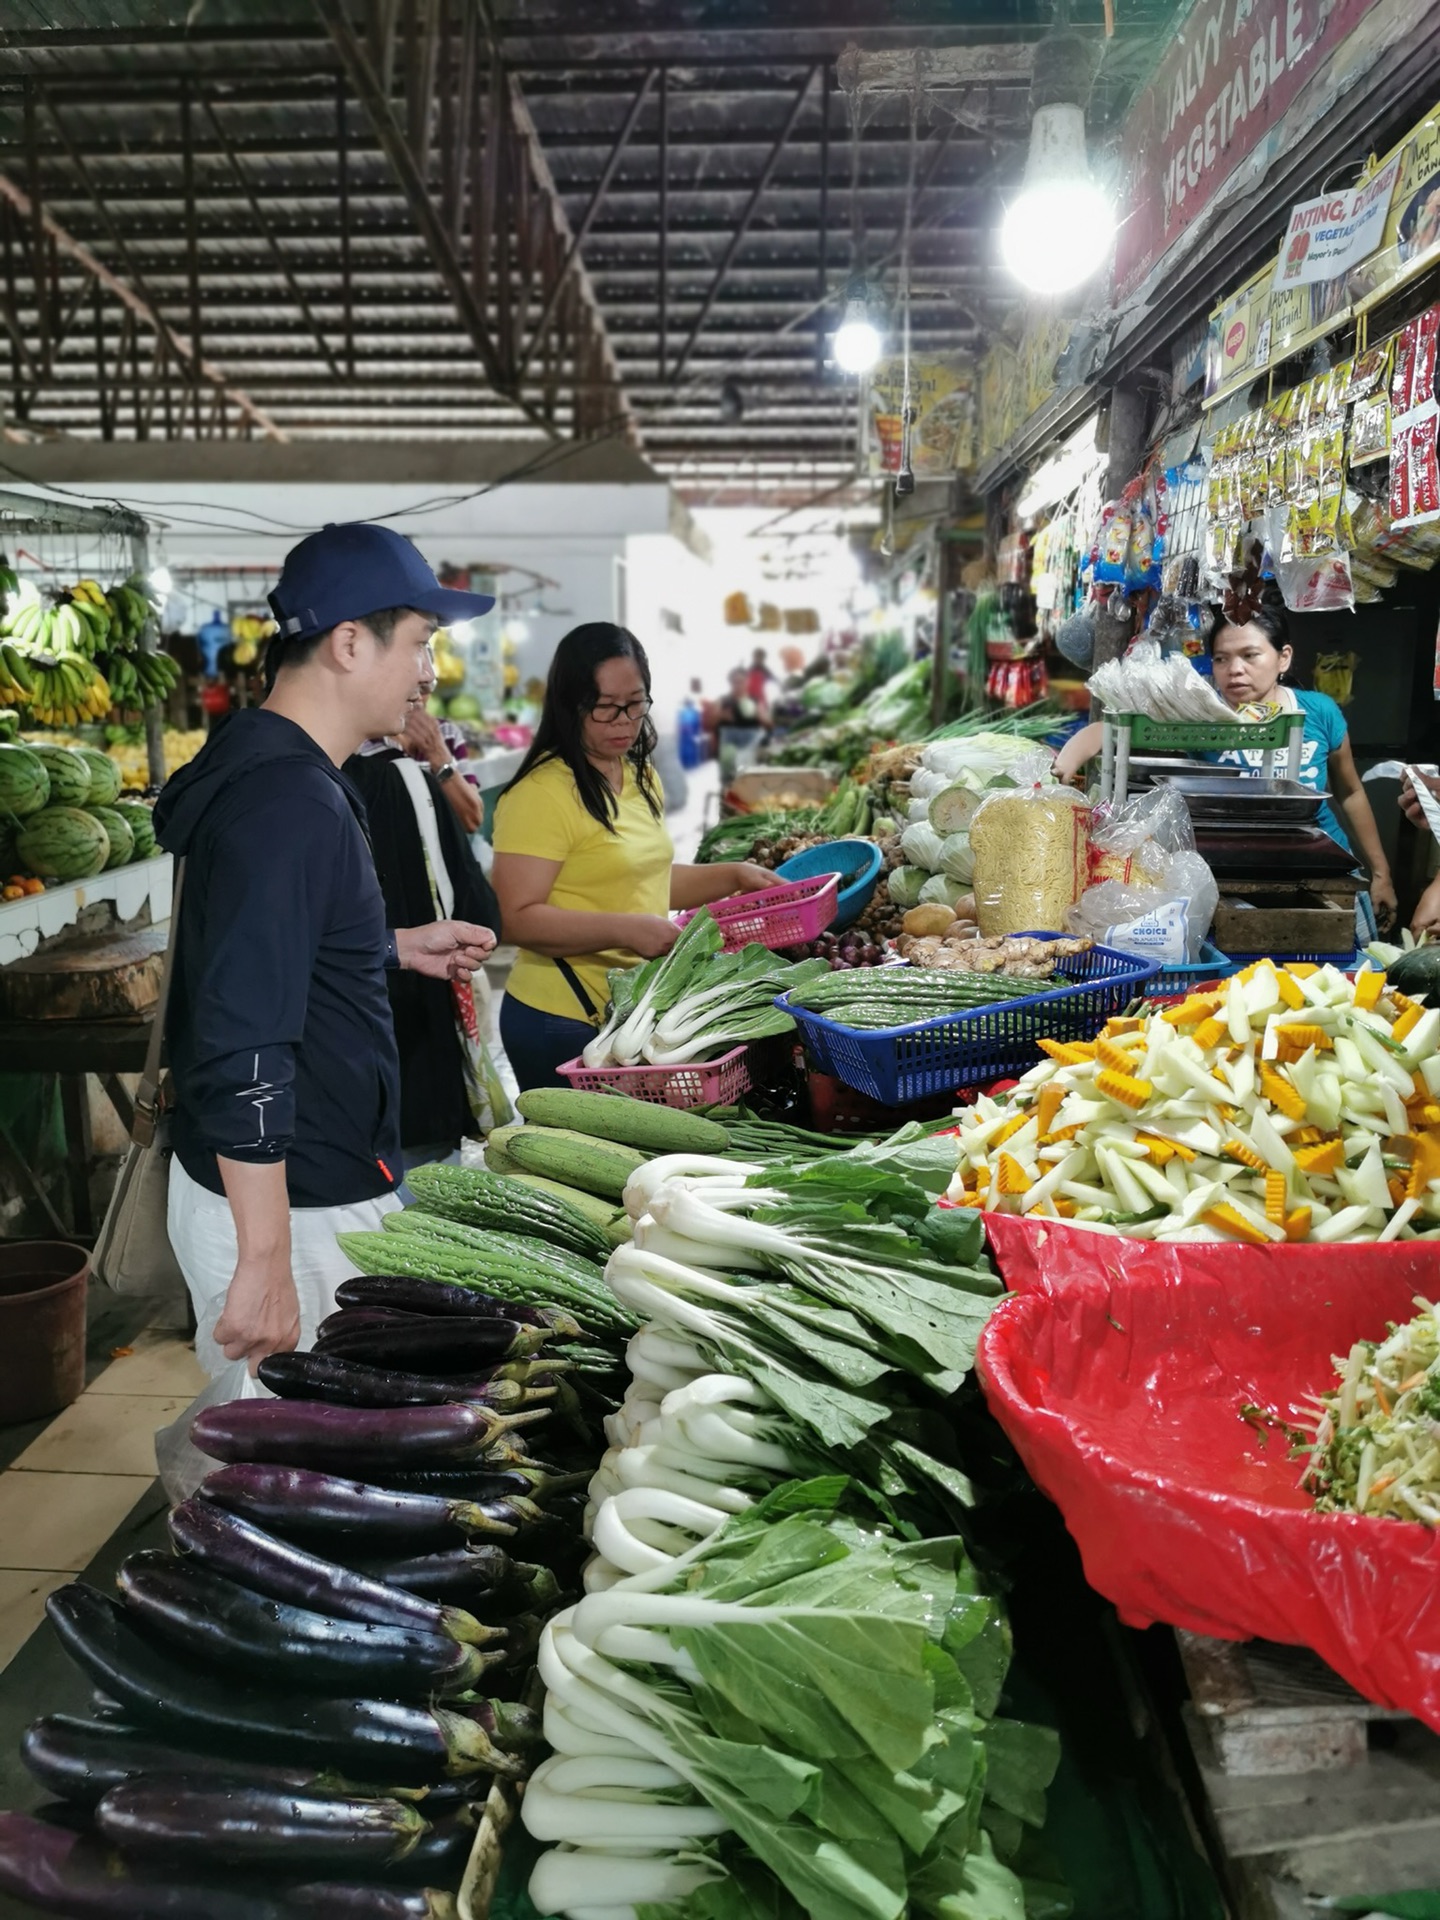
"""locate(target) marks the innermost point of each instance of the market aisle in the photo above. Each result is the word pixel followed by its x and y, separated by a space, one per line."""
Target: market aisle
pixel 73 1485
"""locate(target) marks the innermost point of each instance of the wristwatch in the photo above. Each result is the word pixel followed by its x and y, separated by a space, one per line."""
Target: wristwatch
pixel 447 772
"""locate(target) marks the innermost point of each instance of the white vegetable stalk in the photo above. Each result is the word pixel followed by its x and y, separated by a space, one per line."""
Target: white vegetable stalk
pixel 652 1176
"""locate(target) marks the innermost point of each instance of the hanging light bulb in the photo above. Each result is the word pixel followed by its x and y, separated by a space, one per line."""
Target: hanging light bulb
pixel 857 341
pixel 1058 230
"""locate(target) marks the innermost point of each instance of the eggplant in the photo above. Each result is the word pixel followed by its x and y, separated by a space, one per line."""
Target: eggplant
pixel 529 1479
pixel 228 1544
pixel 350 1383
pixel 400 1293
pixel 211 1618
pixel 439 1856
pixel 241 1825
pixel 366 1738
pixel 295 1500
pixel 69 1873
pixel 80 1760
pixel 327 1902
pixel 486 1575
pixel 457 1346
pixel 347 1320
pixel 291 1431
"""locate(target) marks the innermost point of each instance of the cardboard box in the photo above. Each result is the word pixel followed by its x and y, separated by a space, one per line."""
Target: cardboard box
pixel 1296 920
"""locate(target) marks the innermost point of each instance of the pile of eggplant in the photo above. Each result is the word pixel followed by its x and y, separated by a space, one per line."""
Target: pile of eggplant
pixel 300 1709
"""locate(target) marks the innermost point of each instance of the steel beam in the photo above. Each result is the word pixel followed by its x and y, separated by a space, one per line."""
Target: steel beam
pixel 415 187
pixel 737 238
pixel 577 239
pixel 347 283
pixel 143 311
pixel 297 292
pixel 663 242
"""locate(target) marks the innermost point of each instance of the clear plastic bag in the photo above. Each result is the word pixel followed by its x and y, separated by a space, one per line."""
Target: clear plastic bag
pixel 182 1466
pixel 1134 840
pixel 1160 685
pixel 1166 922
pixel 1031 852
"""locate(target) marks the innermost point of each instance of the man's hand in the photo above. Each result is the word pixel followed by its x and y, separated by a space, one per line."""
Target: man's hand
pixel 445 950
pixel 262 1312
pixel 1382 899
pixel 422 736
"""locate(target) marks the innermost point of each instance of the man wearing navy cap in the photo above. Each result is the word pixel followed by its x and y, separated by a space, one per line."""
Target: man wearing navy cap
pixel 286 1123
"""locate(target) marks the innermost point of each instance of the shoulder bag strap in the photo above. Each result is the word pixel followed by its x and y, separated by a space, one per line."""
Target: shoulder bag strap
pixel 147 1095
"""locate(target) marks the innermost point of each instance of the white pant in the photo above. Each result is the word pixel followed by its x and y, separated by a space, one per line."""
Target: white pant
pixel 202 1232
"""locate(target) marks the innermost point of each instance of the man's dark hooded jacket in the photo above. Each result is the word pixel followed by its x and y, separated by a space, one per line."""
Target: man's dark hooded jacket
pixel 279 1030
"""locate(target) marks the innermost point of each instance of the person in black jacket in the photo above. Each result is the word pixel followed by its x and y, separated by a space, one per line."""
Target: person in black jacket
pixel 444 1074
pixel 286 1129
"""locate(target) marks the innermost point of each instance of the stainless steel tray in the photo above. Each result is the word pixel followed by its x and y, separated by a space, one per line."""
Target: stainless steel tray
pixel 1209 797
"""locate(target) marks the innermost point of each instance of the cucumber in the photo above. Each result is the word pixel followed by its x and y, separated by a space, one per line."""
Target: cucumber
pixel 634 1123
pixel 574 1159
pixel 497 1149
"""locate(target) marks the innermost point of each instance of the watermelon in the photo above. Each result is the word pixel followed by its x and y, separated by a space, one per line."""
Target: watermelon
pixel 104 777
pixel 24 781
pixel 136 816
pixel 63 843
pixel 69 775
pixel 9 834
pixel 117 827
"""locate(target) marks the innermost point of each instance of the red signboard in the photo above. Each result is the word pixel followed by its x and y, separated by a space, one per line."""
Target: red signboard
pixel 1230 73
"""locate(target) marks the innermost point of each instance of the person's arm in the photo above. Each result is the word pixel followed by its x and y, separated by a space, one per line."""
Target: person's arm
pixel 1078 750
pixel 1426 917
pixel 698 886
pixel 1349 790
pixel 1409 803
pixel 262 1309
pixel 463 799
pixel 523 883
pixel 423 738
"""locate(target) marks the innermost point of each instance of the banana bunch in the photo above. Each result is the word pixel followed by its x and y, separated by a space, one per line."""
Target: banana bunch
pixel 250 633
pixel 140 679
pixel 67 689
pixel 17 687
pixel 130 609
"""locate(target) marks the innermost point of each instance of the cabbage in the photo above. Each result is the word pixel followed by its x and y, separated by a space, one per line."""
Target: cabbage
pixel 921 846
pixel 953 808
pixel 985 752
pixel 917 812
pixel 957 862
pixel 942 890
pixel 905 884
pixel 925 785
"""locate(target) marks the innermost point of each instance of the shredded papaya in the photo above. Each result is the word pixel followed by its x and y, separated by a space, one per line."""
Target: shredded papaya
pixel 1276 1194
pixel 1123 1088
pixel 1284 1097
pixel 1209 1034
pixel 1297 1225
pixel 1010 1176
pixel 1066 1053
pixel 1407 1021
pixel 1052 1098
pixel 1368 987
pixel 1323 1159
pixel 1173 1148
pixel 1290 991
pixel 1190 1012
pixel 1242 1151
pixel 1113 1057
pixel 1228 1220
pixel 1011 1127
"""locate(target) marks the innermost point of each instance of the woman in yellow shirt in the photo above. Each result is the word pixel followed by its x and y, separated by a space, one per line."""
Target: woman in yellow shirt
pixel 584 867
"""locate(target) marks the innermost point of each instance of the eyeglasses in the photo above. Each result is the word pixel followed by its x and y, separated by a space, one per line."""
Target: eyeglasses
pixel 607 711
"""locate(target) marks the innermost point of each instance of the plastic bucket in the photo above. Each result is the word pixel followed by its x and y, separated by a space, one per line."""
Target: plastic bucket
pixel 42 1327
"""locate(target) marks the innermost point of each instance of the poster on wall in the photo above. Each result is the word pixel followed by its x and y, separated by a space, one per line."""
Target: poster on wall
pixel 1411 240
pixel 1334 232
pixel 1232 70
pixel 942 439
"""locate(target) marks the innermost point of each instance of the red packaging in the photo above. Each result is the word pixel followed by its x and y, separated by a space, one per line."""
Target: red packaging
pixel 1404 361
pixel 1399 476
pixel 1424 466
pixel 1120 1370
pixel 1422 372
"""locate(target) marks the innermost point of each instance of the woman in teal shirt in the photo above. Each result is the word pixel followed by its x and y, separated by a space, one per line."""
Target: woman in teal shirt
pixel 1248 660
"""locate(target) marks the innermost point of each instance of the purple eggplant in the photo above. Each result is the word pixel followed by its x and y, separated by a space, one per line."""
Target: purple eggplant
pixel 289 1431
pixel 365 1738
pixel 485 1576
pixel 294 1500
pixel 427 1340
pixel 439 1857
pixel 69 1873
pixel 211 1618
pixel 402 1294
pixel 230 1545
pixel 529 1480
pixel 346 1320
pixel 168 1817
pixel 349 1383
pixel 327 1902
pixel 80 1760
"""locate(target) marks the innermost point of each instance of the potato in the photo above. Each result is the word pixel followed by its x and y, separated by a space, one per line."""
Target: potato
pixel 932 919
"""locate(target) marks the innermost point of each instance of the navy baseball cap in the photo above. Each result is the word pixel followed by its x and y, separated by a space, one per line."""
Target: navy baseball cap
pixel 353 568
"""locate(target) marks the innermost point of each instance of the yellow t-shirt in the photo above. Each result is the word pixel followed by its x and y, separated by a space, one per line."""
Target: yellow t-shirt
pixel 627 871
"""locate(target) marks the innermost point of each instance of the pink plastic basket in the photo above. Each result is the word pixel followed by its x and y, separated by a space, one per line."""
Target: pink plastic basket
pixel 783 916
pixel 702 1083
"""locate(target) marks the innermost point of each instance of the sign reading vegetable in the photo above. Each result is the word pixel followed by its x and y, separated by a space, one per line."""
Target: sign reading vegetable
pixel 1232 70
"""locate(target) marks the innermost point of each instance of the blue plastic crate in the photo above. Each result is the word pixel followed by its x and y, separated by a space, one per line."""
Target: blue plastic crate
pixel 1346 962
pixel 899 1064
pixel 1212 965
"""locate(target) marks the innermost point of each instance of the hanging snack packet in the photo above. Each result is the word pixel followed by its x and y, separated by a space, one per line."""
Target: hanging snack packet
pixel 1404 362
pixel 1370 431
pixel 1422 372
pixel 1424 461
pixel 1400 476
pixel 1369 373
pixel 1114 544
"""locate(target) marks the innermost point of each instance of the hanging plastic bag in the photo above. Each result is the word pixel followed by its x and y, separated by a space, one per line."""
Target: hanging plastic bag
pixel 1166 922
pixel 1030 849
pixel 182 1466
pixel 1128 1388
pixel 1134 840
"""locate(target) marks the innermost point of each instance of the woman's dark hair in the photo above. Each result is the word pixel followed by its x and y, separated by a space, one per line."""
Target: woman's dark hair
pixel 1266 610
pixel 570 693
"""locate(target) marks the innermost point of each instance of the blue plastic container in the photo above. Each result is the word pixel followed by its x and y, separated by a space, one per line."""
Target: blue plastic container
pixel 858 862
pixel 1212 965
pixel 899 1064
